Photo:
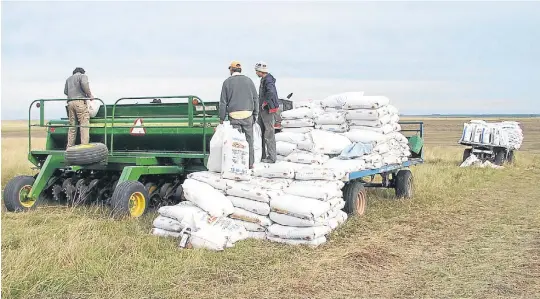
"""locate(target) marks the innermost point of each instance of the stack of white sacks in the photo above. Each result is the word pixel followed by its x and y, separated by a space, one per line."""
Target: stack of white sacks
pixel 299 199
pixel 506 134
pixel 349 131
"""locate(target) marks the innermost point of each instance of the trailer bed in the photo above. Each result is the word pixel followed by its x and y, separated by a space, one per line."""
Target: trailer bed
pixel 385 169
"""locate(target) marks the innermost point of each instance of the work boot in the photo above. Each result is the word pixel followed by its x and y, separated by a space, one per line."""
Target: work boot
pixel 267 161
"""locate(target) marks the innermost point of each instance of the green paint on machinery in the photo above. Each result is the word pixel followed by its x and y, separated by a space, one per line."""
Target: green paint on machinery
pixel 150 148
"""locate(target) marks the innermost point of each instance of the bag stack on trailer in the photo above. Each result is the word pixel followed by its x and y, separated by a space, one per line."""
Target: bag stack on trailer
pixel 298 199
pixel 506 134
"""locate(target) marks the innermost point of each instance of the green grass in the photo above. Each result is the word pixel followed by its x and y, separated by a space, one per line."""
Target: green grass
pixel 469 233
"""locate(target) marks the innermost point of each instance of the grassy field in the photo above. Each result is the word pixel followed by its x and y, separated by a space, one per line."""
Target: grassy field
pixel 468 233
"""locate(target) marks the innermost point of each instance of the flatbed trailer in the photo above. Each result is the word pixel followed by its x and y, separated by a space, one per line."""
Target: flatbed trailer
pixel 496 154
pixel 394 176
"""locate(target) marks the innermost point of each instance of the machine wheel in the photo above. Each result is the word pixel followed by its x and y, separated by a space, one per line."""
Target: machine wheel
pixel 130 198
pixel 404 184
pixel 511 158
pixel 466 154
pixel 15 194
pixel 85 154
pixel 500 156
pixel 354 194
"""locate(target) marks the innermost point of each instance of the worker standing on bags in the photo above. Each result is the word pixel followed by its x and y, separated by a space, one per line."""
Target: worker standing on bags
pixel 269 105
pixel 76 90
pixel 239 100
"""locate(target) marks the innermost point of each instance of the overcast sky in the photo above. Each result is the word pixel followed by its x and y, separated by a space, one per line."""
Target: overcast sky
pixel 427 57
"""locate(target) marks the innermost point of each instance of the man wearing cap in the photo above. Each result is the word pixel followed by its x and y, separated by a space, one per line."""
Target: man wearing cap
pixel 240 102
pixel 76 90
pixel 269 105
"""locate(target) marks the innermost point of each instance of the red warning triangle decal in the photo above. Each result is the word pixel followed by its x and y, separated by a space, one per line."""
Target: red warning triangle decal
pixel 138 128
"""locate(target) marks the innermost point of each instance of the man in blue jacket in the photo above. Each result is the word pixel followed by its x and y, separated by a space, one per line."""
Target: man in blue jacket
pixel 269 105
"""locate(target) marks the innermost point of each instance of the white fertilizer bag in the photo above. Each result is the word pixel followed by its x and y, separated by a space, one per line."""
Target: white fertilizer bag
pixel 207 198
pixel 366 114
pixel 285 148
pixel 246 190
pixel 306 144
pixel 277 170
pixel 365 136
pixel 339 100
pixel 299 233
pixel 211 178
pixel 250 226
pixel 317 192
pixel 208 239
pixel 302 130
pixel 347 166
pixel 290 137
pixel 257 235
pixel 313 243
pixel 215 159
pixel 272 184
pixel 328 142
pixel 297 123
pixel 253 206
pixel 164 233
pixel 288 220
pixel 366 102
pixel 170 224
pixel 298 206
pixel 355 150
pixel 183 210
pixel 93 107
pixel 333 128
pixel 340 218
pixel 297 113
pixel 303 157
pixel 338 185
pixel 235 163
pixel 392 109
pixel 377 123
pixel 257 143
pixel 330 118
pixel 316 172
pixel 247 216
pixel 385 129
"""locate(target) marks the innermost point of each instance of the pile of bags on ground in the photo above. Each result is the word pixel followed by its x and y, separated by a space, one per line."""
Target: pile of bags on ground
pixel 473 160
pixel 506 134
pixel 298 199
pixel 348 131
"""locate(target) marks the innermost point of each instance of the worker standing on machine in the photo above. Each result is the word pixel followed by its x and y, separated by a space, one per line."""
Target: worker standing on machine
pixel 269 105
pixel 76 90
pixel 239 100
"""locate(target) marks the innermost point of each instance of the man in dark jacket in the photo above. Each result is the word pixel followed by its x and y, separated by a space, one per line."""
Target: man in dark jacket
pixel 239 101
pixel 269 105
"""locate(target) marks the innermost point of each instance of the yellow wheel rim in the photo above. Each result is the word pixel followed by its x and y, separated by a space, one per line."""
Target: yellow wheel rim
pixel 25 201
pixel 137 204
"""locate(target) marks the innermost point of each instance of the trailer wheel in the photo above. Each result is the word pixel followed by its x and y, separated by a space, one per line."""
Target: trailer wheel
pixel 404 184
pixel 466 154
pixel 15 194
pixel 85 154
pixel 500 156
pixel 354 194
pixel 511 158
pixel 130 198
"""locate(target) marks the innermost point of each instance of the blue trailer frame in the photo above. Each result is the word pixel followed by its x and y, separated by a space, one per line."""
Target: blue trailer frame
pixel 396 176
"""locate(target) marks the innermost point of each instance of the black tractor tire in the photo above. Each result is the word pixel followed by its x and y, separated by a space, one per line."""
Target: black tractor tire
pixel 500 157
pixel 13 192
pixel 130 198
pixel 404 184
pixel 466 154
pixel 86 154
pixel 354 194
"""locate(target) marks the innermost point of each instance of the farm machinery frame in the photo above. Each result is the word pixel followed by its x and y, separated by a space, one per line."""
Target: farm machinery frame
pixel 141 153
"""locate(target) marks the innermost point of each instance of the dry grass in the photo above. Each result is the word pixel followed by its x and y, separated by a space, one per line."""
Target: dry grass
pixel 468 233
